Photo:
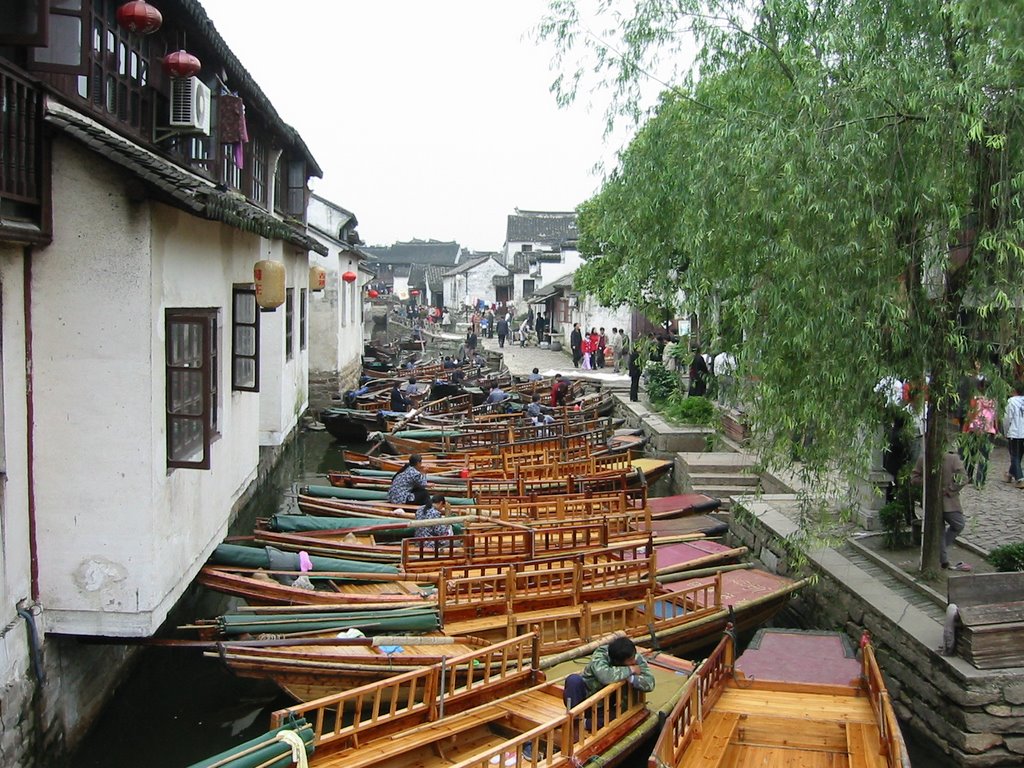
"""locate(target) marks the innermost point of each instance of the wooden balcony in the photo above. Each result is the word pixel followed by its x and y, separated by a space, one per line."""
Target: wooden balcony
pixel 22 188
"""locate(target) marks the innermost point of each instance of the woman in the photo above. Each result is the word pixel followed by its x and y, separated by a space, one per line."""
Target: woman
pixel 979 434
pixel 435 508
pixel 407 482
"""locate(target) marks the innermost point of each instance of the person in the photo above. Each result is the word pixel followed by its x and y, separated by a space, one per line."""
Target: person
pixel 470 342
pixel 953 478
pixel 434 508
pixel 559 391
pixel 554 389
pixel 602 343
pixel 448 362
pixel 407 482
pixel 623 351
pixel 612 663
pixel 576 345
pixel 725 373
pixel 541 327
pixel 1013 428
pixel 534 375
pixel 496 396
pixel 534 408
pixel 399 402
pixel 633 368
pixel 979 433
pixel 524 332
pixel 586 350
pixel 698 374
pixel 502 331
pixel 612 350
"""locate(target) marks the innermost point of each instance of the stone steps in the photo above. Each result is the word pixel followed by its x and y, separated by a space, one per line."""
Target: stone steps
pixel 926 604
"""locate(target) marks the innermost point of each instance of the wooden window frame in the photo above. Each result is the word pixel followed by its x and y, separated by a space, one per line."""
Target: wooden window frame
pixel 41 35
pixel 289 322
pixel 237 326
pixel 303 317
pixel 205 364
pixel 84 16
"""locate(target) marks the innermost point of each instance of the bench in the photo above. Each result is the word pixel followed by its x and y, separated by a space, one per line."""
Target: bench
pixel 864 747
pixel 990 618
pixel 409 739
pixel 716 733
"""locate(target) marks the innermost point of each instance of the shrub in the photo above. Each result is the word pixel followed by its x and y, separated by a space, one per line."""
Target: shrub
pixel 1009 557
pixel 661 382
pixel 692 410
pixel 893 517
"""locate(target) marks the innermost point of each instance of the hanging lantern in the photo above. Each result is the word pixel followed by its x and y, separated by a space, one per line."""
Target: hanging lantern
pixel 269 277
pixel 139 17
pixel 349 277
pixel 317 278
pixel 372 293
pixel 414 292
pixel 181 64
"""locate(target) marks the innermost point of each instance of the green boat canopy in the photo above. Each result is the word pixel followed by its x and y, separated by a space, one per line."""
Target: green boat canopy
pixel 261 557
pixel 362 494
pixel 265 751
pixel 369 622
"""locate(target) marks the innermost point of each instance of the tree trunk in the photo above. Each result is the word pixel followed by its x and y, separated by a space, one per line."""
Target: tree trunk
pixel 934 525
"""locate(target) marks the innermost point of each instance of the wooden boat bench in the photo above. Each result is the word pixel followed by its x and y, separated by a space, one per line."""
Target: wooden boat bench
pixel 717 731
pixel 990 618
pixel 411 739
pixel 863 747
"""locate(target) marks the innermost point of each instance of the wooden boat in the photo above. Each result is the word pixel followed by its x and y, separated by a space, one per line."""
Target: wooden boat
pixel 428 718
pixel 311 668
pixel 792 698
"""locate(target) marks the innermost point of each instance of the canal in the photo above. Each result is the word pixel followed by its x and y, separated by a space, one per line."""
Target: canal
pixel 177 707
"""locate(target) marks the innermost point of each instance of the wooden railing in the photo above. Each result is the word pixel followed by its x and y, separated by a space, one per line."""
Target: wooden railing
pixel 422 694
pixel 21 122
pixel 624 570
pixel 698 695
pixel 891 740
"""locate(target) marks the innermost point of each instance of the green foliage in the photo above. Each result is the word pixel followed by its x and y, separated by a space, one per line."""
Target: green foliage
pixel 847 179
pixel 691 410
pixel 661 382
pixel 1009 557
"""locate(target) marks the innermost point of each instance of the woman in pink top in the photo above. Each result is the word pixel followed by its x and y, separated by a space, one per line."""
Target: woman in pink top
pixel 979 434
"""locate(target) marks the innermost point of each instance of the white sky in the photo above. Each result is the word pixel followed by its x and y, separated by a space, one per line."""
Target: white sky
pixel 429 119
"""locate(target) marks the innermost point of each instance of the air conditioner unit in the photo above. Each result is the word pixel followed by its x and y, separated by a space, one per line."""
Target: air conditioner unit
pixel 190 105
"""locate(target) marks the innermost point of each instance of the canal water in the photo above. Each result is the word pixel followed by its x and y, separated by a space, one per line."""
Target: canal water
pixel 177 707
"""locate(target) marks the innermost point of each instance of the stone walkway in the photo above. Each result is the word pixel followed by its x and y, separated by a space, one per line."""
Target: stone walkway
pixel 995 513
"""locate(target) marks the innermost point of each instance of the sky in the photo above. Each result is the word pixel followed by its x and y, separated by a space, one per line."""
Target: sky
pixel 429 119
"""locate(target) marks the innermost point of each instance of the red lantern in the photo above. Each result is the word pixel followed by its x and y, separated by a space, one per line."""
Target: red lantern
pixel 414 292
pixel 181 64
pixel 372 293
pixel 139 17
pixel 349 277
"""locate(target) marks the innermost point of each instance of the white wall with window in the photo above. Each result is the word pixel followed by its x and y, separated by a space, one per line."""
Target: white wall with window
pixel 139 385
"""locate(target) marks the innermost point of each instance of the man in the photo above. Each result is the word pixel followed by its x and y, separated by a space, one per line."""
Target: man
pixel 611 663
pixel 502 330
pixel 953 477
pixel 541 327
pixel 623 351
pixel 634 370
pixel 496 396
pixel 576 345
pixel 399 402
pixel 602 344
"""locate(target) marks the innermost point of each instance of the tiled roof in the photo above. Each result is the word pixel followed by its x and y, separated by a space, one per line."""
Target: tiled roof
pixel 239 79
pixel 427 252
pixel 521 263
pixel 502 280
pixel 550 228
pixel 191 192
pixel 467 265
pixel 435 278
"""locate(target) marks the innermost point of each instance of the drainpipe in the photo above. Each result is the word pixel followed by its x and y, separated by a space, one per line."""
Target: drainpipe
pixel 29 421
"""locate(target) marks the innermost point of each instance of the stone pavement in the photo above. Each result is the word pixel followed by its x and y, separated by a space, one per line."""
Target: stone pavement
pixel 995 513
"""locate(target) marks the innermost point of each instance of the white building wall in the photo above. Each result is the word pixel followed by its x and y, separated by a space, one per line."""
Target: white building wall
pixel 284 393
pixel 15 555
pixel 480 280
pixel 551 271
pixel 119 535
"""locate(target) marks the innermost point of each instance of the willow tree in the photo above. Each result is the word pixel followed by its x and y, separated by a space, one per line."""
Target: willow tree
pixel 848 174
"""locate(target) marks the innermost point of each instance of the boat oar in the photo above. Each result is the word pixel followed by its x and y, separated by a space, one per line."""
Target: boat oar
pixel 706 560
pixel 678 573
